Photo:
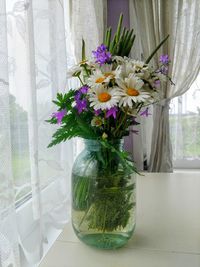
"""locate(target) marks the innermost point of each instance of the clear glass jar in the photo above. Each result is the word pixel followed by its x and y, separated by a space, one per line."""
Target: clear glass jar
pixel 103 196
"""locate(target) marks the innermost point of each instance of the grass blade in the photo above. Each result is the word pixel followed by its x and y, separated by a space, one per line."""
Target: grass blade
pixel 83 50
pixel 119 27
pixel 153 53
pixel 109 37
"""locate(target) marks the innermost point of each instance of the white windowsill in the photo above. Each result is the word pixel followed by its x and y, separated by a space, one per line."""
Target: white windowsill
pixel 28 225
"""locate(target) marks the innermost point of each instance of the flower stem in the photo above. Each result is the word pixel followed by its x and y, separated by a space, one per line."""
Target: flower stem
pixel 80 79
pixel 121 123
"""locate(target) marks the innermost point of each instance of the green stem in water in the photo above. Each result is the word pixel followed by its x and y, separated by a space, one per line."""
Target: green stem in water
pixel 85 215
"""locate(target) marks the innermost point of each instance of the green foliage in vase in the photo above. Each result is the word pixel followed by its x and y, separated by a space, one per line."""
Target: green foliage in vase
pixel 105 195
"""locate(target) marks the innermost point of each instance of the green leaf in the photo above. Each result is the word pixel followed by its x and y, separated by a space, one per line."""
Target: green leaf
pixel 87 131
pixel 83 50
pixel 119 27
pixel 129 46
pixel 109 37
pixel 157 48
pixel 106 37
pixel 121 43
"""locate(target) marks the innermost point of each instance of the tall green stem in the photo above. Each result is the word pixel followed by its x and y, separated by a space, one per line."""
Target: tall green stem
pixel 80 80
pixel 121 123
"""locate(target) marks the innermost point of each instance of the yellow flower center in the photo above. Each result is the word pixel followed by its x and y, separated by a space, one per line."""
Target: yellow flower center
pixel 98 122
pixel 132 92
pixel 107 74
pixel 82 62
pixel 104 97
pixel 100 80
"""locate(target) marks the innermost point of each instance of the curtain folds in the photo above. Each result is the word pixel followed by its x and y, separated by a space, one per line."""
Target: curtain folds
pixel 9 250
pixel 88 19
pixel 156 19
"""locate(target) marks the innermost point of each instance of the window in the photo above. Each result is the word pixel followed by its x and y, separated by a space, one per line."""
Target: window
pixel 37 70
pixel 185 127
pixel 35 59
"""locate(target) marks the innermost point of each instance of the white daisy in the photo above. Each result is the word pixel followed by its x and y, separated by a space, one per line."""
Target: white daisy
pixel 138 65
pixel 106 68
pixel 144 74
pixel 99 78
pixel 161 77
pixel 104 98
pixel 124 70
pixel 78 68
pixel 71 72
pixel 119 59
pixel 132 91
pixel 108 72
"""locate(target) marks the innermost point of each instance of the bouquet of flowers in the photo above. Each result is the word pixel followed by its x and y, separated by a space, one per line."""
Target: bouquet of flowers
pixel 114 90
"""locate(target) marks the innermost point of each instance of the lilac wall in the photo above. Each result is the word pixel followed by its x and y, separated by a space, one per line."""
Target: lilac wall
pixel 114 8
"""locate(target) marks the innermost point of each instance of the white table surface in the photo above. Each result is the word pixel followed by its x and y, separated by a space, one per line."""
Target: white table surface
pixel 167 232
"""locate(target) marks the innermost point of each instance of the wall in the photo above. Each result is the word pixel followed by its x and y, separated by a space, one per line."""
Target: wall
pixel 114 8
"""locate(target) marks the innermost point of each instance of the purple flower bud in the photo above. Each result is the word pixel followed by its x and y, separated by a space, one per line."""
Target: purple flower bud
pixel 84 89
pixel 145 113
pixel 77 95
pixel 80 92
pixel 102 55
pixel 59 115
pixel 112 112
pixel 97 112
pixel 164 59
pixel 81 105
pixel 157 83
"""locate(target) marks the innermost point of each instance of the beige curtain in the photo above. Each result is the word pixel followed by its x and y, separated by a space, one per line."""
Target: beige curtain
pixel 153 20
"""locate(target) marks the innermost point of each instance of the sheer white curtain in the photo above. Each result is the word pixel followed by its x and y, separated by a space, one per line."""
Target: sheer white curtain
pixel 35 51
pixel 88 18
pixel 9 252
pixel 33 66
pixel 153 20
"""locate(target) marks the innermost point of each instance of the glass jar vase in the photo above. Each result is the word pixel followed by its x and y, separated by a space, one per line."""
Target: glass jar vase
pixel 103 196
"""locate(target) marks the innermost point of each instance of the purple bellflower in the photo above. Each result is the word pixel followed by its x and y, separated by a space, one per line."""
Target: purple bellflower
pixel 145 113
pixel 84 89
pixel 81 103
pixel 59 115
pixel 164 59
pixel 97 112
pixel 102 55
pixel 112 112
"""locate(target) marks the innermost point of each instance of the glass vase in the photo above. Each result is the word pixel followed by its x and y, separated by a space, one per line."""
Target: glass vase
pixel 103 196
